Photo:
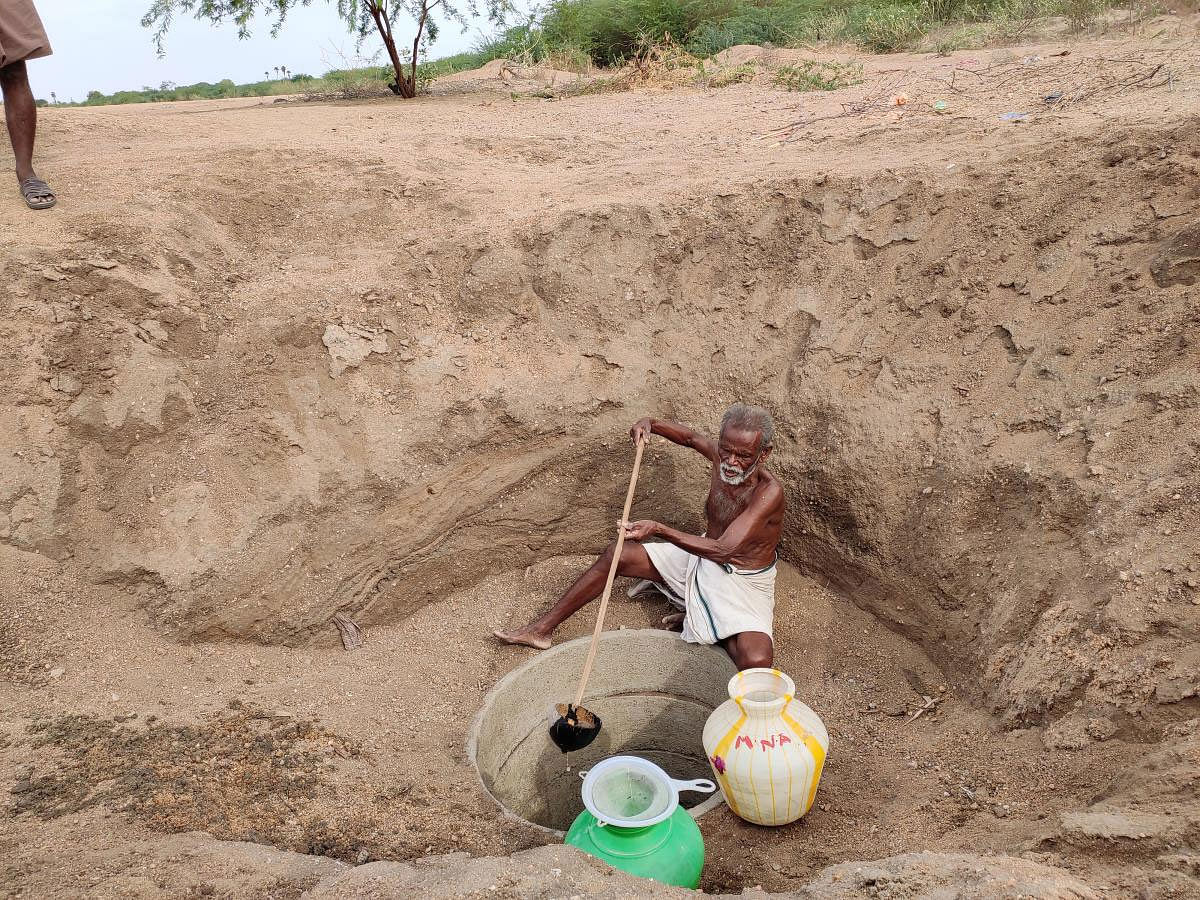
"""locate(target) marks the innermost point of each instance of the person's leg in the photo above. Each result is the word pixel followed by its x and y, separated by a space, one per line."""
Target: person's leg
pixel 20 113
pixel 750 650
pixel 635 563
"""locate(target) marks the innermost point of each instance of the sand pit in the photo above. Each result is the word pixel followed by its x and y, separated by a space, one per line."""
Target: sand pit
pixel 237 405
pixel 652 693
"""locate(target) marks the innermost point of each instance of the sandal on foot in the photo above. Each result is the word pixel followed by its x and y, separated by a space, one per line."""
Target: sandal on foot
pixel 37 194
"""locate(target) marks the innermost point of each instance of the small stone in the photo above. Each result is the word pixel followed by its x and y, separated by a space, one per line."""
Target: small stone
pixel 57 672
pixel 926 491
pixel 97 263
pixel 1095 471
pixel 66 383
pixel 152 330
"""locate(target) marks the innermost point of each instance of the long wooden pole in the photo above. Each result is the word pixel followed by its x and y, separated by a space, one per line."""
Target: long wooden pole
pixel 612 574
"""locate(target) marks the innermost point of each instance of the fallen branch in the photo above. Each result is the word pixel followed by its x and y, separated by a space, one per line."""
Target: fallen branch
pixel 1114 85
pixel 877 100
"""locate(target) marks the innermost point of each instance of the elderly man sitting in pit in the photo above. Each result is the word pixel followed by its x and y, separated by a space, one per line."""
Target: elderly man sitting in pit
pixel 721 582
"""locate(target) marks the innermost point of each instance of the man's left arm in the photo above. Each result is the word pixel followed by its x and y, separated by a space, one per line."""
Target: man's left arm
pixel 729 547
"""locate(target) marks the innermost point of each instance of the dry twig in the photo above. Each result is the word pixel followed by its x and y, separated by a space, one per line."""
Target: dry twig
pixel 930 703
pixel 875 100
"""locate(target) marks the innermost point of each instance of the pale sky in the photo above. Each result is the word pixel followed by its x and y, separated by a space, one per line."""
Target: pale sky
pixel 101 45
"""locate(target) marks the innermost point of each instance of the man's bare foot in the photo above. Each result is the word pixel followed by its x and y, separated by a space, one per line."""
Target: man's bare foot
pixel 523 636
pixel 673 621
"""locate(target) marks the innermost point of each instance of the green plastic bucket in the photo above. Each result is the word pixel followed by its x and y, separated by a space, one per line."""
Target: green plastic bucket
pixel 633 821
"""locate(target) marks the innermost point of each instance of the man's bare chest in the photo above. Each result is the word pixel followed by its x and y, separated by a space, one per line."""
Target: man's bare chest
pixel 723 506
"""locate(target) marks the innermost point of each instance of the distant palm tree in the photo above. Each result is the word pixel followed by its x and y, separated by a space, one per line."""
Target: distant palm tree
pixel 53 97
pixel 267 74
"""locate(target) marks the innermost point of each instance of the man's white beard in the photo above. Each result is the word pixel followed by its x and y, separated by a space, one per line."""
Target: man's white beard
pixel 734 476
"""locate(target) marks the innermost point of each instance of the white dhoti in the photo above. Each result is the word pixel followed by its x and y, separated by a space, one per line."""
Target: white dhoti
pixel 717 600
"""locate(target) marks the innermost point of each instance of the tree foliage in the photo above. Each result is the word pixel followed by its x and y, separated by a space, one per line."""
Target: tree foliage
pixel 362 17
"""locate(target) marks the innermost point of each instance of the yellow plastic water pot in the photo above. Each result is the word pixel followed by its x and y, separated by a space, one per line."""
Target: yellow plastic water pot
pixel 766 748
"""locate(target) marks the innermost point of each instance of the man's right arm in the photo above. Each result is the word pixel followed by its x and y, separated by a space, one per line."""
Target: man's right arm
pixel 676 434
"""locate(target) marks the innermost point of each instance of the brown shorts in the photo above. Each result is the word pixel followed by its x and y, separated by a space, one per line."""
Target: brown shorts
pixel 21 33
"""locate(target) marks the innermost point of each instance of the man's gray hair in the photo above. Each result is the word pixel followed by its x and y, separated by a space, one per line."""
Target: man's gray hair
pixel 750 418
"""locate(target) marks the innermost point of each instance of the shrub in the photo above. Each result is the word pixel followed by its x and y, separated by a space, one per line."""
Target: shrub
pixel 814 75
pixel 963 38
pixel 1082 14
pixel 611 31
pixel 884 29
pixel 1013 18
pixel 728 75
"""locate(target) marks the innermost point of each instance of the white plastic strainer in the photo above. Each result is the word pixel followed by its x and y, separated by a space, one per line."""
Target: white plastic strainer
pixel 631 792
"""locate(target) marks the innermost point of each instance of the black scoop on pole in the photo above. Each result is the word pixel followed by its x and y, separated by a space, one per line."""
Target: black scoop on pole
pixel 576 727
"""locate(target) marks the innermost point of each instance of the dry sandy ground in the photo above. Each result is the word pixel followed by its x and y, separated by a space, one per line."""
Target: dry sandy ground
pixel 395 783
pixel 270 362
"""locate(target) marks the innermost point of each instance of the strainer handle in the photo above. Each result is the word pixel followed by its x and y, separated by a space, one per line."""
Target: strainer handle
pixel 702 785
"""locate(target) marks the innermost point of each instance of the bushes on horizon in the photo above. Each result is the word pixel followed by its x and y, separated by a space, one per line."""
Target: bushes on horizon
pixel 224 89
pixel 610 31
pixel 885 29
pixel 573 34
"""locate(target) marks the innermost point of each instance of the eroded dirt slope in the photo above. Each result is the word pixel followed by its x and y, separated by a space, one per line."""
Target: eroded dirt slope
pixel 266 363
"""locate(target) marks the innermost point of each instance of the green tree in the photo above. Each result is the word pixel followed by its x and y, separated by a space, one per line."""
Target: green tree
pixel 362 17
